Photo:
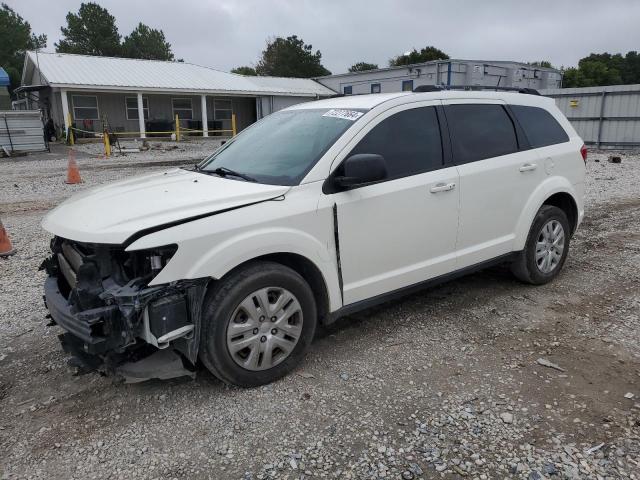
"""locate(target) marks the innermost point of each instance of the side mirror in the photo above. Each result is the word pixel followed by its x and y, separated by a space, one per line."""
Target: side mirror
pixel 361 169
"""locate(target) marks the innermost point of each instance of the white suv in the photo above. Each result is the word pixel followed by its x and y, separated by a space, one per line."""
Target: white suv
pixel 312 213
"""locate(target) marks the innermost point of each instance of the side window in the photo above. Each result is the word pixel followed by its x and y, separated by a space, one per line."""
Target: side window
pixel 375 88
pixel 539 126
pixel 85 107
pixel 347 90
pixel 409 141
pixel 480 131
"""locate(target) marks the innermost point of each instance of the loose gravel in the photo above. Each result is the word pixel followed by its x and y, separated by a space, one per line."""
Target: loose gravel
pixel 38 179
pixel 446 383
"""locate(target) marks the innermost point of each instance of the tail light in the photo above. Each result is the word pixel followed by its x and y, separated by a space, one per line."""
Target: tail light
pixel 583 152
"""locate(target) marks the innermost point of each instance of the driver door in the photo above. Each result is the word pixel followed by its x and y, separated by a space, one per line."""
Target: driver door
pixel 400 231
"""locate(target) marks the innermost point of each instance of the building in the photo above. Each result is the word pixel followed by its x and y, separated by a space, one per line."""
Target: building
pixel 140 96
pixel 444 72
pixel 5 100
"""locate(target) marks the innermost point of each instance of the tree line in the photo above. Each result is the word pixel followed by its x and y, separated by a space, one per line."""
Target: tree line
pixel 291 57
pixel 90 31
pixel 604 69
pixel 93 31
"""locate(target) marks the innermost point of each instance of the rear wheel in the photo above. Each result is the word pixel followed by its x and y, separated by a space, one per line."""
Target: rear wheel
pixel 546 249
pixel 257 324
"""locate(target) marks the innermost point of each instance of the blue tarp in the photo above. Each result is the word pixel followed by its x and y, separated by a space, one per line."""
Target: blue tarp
pixel 4 78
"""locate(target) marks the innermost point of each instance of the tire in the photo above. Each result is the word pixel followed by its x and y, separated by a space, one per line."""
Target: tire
pixel 529 267
pixel 232 316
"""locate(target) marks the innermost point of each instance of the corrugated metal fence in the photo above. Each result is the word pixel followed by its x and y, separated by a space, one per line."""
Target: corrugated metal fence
pixel 603 116
pixel 21 131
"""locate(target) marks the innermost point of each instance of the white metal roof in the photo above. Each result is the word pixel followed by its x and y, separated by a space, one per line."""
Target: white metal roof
pixel 84 71
pixel 292 85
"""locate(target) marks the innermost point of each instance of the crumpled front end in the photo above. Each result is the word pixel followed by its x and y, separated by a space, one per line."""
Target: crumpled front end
pixel 114 321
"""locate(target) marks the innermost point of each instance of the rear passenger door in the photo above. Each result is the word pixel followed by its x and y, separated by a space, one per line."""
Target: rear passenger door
pixel 400 231
pixel 498 174
pixel 543 132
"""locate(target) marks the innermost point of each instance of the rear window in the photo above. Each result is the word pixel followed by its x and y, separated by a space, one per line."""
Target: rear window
pixel 539 126
pixel 480 131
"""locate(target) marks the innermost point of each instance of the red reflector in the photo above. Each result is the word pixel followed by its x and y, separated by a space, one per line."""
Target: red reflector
pixel 583 152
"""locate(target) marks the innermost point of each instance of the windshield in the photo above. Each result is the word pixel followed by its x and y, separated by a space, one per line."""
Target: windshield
pixel 283 147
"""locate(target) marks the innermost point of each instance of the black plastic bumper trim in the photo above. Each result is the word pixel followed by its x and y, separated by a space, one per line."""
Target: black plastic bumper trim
pixel 61 313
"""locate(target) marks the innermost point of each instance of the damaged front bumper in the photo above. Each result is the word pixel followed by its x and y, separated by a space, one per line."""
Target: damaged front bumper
pixel 113 321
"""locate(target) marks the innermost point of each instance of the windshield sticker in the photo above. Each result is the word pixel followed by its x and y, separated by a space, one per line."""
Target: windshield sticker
pixel 346 114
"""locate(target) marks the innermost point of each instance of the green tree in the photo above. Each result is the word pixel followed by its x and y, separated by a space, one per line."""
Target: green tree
pixel 427 54
pixel 591 74
pixel 631 73
pixel 613 62
pixel 16 38
pixel 363 67
pixel 92 31
pixel 572 78
pixel 244 70
pixel 291 57
pixel 604 69
pixel 599 73
pixel 147 43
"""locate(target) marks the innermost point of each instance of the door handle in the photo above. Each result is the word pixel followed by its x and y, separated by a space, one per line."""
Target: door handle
pixel 442 187
pixel 527 167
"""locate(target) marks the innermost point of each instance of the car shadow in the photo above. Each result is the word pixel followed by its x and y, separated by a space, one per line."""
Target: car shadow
pixel 468 285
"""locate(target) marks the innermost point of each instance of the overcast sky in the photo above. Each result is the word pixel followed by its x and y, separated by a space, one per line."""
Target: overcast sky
pixel 226 33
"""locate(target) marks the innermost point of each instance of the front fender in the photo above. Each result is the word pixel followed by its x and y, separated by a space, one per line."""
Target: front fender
pixel 550 186
pixel 223 256
pixel 241 248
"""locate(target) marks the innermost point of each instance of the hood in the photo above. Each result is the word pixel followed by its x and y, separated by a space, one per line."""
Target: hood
pixel 113 212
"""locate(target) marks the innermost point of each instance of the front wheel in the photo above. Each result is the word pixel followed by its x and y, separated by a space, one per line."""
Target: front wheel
pixel 546 249
pixel 257 324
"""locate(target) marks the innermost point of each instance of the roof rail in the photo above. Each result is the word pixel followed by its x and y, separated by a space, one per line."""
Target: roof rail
pixel 439 88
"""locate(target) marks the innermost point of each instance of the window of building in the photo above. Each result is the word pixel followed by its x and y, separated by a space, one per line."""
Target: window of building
pixel 480 131
pixel 539 126
pixel 132 108
pixel 407 85
pixel 409 141
pixel 222 109
pixel 348 90
pixel 375 88
pixel 85 107
pixel 183 108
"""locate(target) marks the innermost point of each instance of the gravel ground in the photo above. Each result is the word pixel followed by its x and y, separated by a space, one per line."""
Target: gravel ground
pixel 34 179
pixel 445 383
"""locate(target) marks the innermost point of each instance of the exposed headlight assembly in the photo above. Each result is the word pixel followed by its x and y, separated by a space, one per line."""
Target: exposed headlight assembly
pixel 150 262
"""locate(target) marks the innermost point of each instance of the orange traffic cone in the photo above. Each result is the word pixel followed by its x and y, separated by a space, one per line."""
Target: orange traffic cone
pixel 73 174
pixel 5 244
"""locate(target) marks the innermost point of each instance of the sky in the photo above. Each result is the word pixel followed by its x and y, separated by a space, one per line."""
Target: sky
pixel 227 33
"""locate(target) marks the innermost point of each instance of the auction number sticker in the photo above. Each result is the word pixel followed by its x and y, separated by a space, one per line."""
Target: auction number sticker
pixel 341 113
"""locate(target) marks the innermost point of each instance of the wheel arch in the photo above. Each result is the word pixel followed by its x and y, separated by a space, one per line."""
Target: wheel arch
pixel 300 264
pixel 300 250
pixel 556 191
pixel 565 202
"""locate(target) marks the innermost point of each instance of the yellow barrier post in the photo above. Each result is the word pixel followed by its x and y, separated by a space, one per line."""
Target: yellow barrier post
pixel 107 144
pixel 233 124
pixel 177 128
pixel 70 133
